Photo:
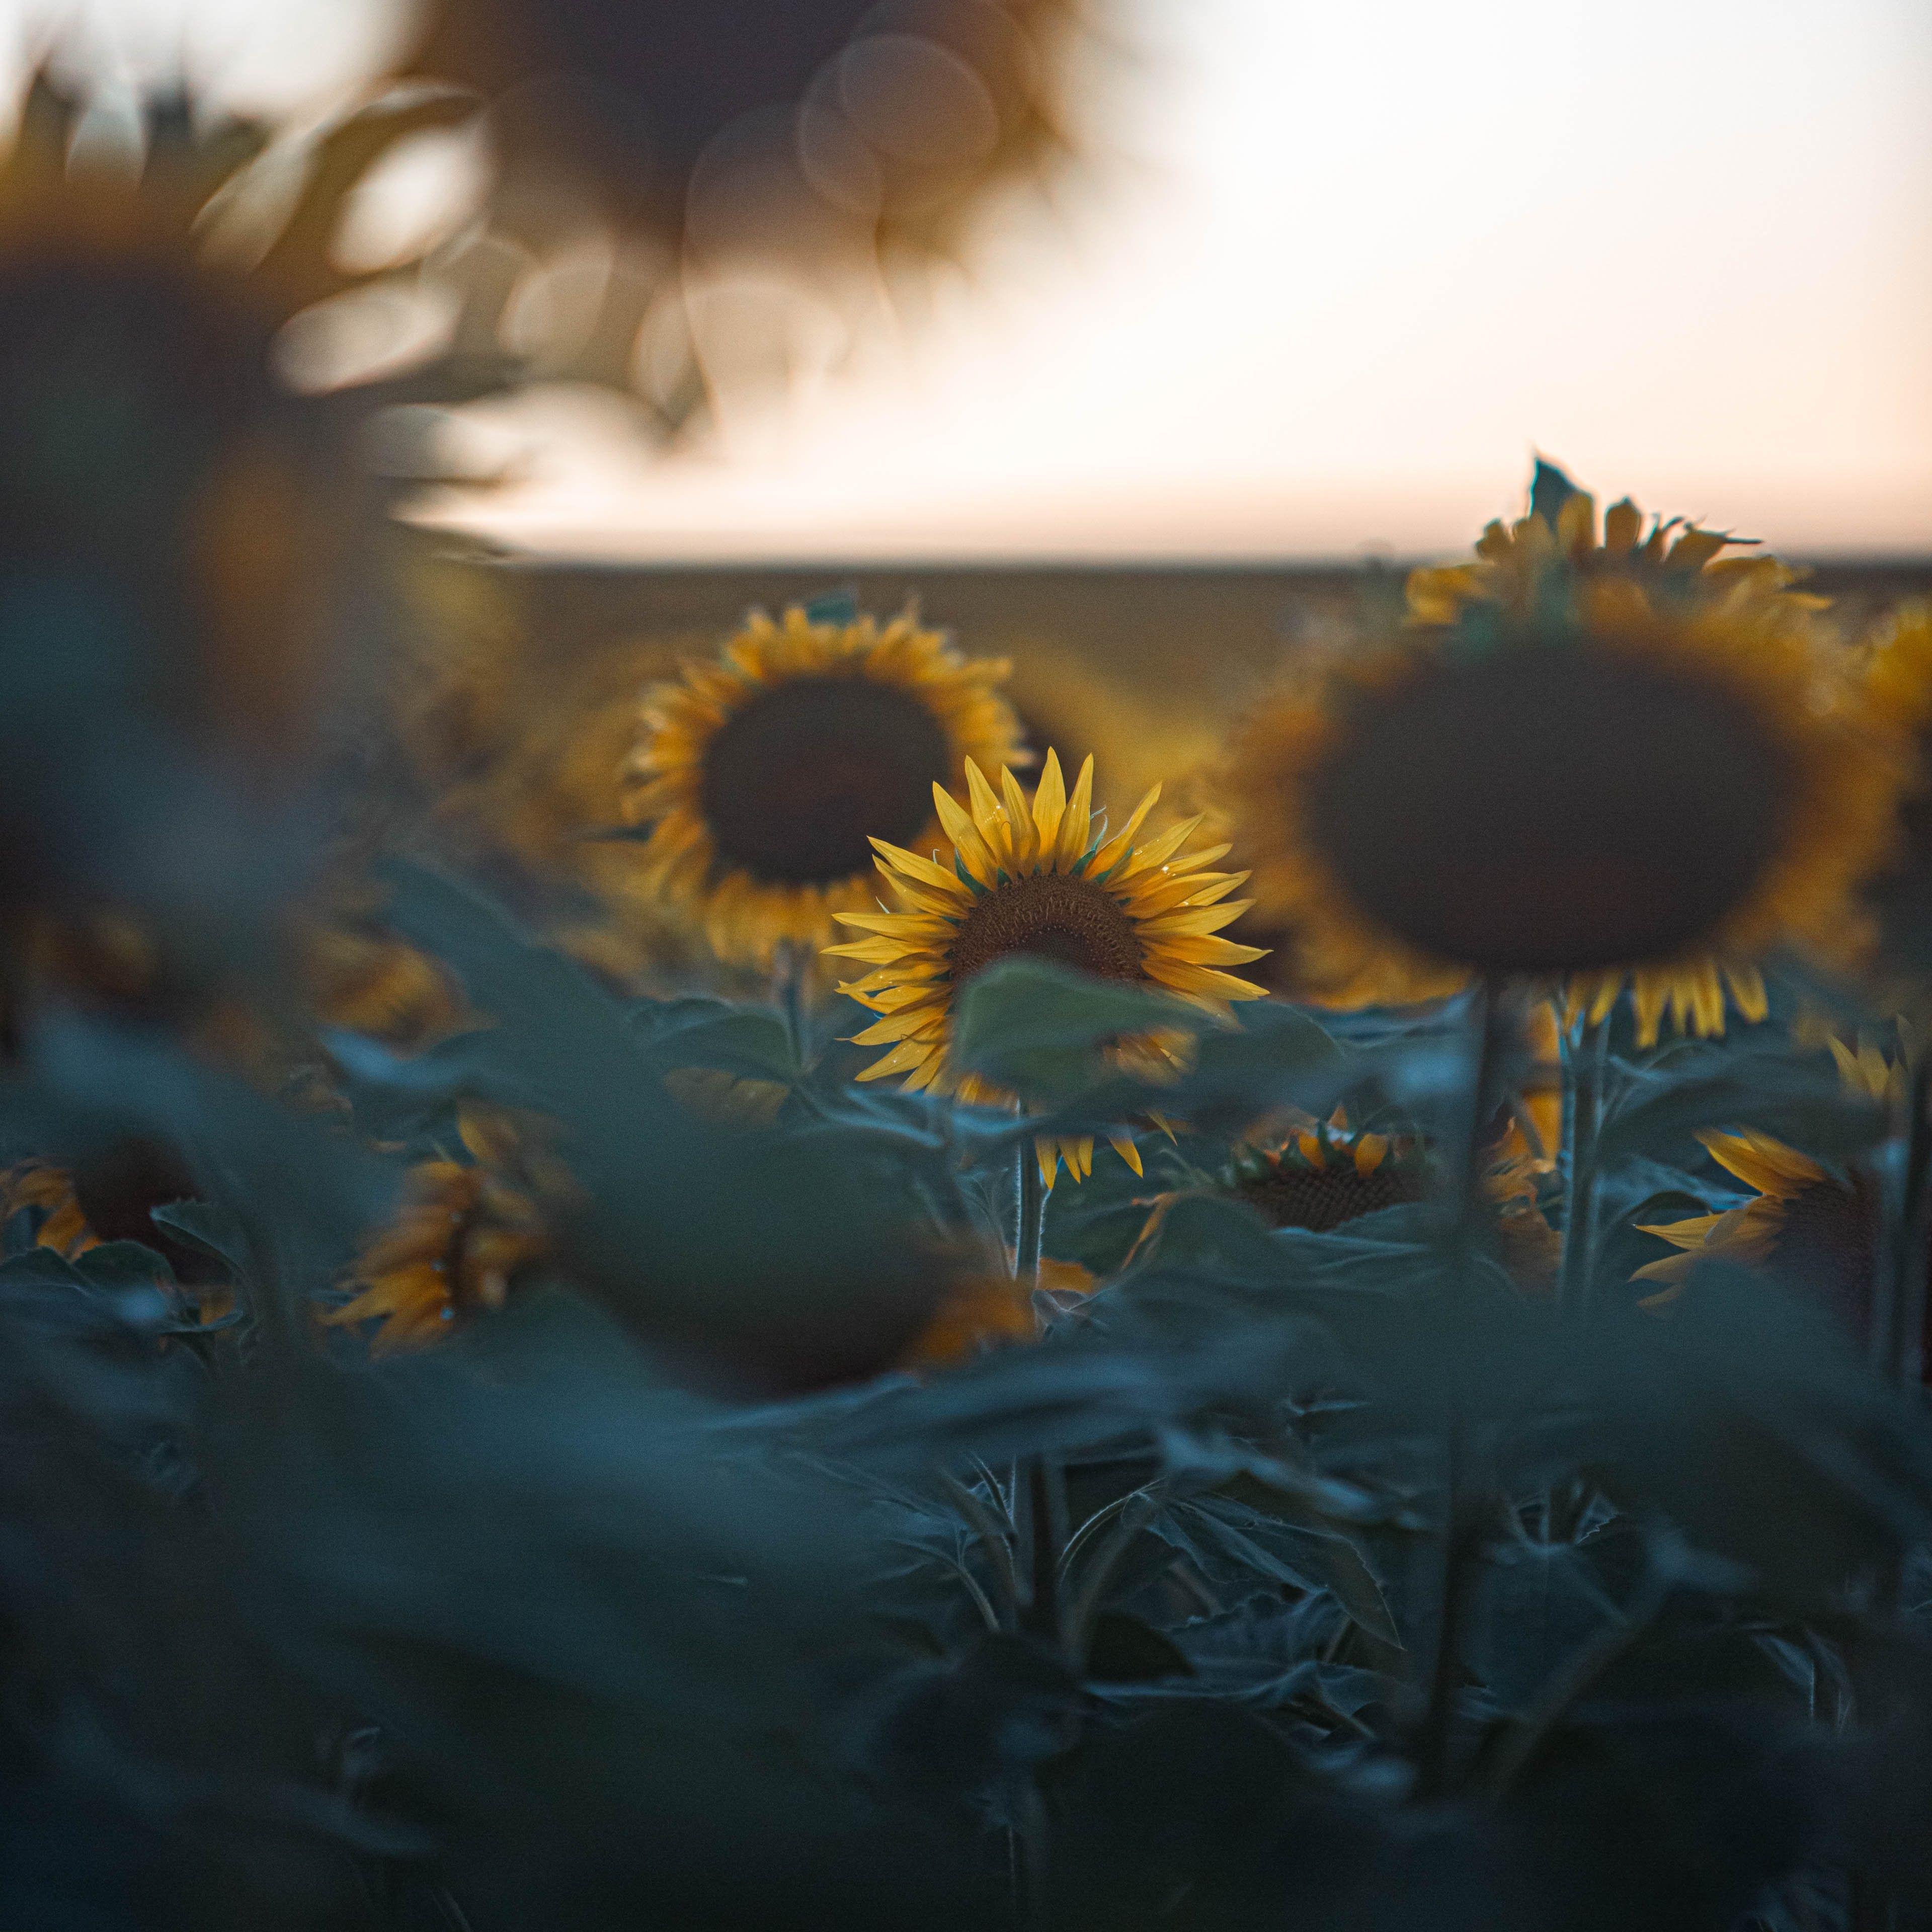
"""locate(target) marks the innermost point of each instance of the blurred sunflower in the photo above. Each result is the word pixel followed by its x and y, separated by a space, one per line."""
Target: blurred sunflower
pixel 462 1233
pixel 764 776
pixel 1039 877
pixel 1898 682
pixel 990 1311
pixel 110 1194
pixel 1810 1229
pixel 1591 783
pixel 175 520
pixel 835 120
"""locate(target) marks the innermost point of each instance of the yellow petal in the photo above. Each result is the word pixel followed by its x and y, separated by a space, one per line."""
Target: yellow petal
pixel 1076 826
pixel 1116 848
pixel 1019 821
pixel 911 865
pixel 1049 806
pixel 975 854
pixel 1124 1146
pixel 907 1055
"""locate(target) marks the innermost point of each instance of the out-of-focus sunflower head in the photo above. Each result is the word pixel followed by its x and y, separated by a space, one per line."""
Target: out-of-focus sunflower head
pixel 757 147
pixel 1898 679
pixel 1591 785
pixel 178 524
pixel 767 777
pixel 1556 554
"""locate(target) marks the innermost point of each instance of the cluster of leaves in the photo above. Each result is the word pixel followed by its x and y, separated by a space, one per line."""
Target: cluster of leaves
pixel 1328 1578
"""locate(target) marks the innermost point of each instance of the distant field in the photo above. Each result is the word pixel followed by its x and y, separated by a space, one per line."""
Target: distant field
pixel 1146 666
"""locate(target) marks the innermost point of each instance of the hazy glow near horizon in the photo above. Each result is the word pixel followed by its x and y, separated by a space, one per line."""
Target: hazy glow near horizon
pixel 1362 261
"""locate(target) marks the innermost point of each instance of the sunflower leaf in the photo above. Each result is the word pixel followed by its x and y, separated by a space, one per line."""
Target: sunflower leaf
pixel 1042 1029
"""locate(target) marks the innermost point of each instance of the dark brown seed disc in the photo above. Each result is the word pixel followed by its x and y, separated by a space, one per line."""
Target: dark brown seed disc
pixel 794 785
pixel 1049 916
pixel 1320 1199
pixel 1552 808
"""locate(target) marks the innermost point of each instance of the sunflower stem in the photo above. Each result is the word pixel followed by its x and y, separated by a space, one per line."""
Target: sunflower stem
pixel 1030 1216
pixel 1585 1057
pixel 1899 1306
pixel 793 978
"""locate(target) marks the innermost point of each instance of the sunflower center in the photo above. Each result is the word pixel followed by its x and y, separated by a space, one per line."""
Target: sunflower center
pixel 794 783
pixel 1048 916
pixel 1320 1199
pixel 1547 809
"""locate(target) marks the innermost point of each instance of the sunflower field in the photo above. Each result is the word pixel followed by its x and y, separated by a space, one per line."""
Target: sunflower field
pixel 791 1274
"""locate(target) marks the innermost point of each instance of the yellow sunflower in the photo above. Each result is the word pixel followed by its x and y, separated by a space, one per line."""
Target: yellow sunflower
pixel 1804 1225
pixel 463 1231
pixel 1039 877
pixel 765 775
pixel 990 1311
pixel 1898 685
pixel 1577 777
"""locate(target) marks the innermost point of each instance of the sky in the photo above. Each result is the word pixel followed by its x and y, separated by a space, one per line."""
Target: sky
pixel 1330 275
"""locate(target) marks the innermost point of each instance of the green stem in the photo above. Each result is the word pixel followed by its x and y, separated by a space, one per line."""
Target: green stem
pixel 793 989
pixel 1899 1306
pixel 1030 1221
pixel 1585 1058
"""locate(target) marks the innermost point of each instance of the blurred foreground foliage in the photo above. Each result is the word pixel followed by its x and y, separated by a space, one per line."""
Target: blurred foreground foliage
pixel 1324 1577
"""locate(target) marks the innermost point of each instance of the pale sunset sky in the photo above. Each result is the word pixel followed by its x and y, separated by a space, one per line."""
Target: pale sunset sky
pixel 1332 272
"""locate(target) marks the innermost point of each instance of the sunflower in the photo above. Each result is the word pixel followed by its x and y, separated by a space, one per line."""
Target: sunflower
pixel 991 1311
pixel 175 521
pixel 818 138
pixel 1322 1175
pixel 1804 1225
pixel 1039 877
pixel 463 1231
pixel 764 774
pixel 110 1194
pixel 1576 776
pixel 1898 683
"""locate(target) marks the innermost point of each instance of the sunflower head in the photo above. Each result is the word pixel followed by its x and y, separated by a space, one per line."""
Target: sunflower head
pixel 896 119
pixel 464 1229
pixel 1323 1177
pixel 1044 877
pixel 766 776
pixel 110 1194
pixel 1588 784
pixel 1556 553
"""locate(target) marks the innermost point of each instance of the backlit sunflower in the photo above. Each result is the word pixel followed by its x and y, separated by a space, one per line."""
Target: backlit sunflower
pixel 1039 877
pixel 463 1231
pixel 1807 1227
pixel 806 141
pixel 174 519
pixel 1589 780
pixel 765 775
